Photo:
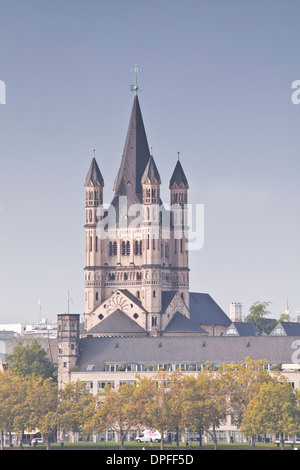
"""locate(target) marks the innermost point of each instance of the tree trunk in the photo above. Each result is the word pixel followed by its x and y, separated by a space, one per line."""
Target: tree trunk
pixel 2 439
pixel 162 440
pixel 253 441
pixel 214 436
pixel 281 437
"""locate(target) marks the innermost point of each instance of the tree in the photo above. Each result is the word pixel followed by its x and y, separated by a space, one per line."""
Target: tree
pixel 275 409
pixel 241 383
pixel 37 407
pixel 30 359
pixel 158 399
pixel 42 401
pixel 75 407
pixel 257 315
pixel 116 410
pixel 11 393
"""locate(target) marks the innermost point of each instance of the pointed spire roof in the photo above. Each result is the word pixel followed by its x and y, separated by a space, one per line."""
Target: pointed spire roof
pixel 178 177
pixel 151 172
pixel 135 158
pixel 94 176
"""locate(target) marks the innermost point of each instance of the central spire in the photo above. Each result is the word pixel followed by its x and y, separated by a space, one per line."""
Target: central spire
pixel 135 157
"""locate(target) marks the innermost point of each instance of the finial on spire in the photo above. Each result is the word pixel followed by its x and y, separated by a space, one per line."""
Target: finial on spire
pixel 151 148
pixel 135 87
pixel 94 151
pixel 178 155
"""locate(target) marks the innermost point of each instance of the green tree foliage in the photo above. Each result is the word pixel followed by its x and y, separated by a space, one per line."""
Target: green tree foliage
pixel 275 409
pixel 75 407
pixel 116 410
pixel 30 359
pixel 257 315
pixel 259 402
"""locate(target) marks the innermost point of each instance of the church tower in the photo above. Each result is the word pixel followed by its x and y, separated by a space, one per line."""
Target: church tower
pixel 152 239
pixel 138 272
pixel 179 197
pixel 94 184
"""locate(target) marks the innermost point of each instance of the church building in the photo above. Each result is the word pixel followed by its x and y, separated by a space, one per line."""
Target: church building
pixel 136 258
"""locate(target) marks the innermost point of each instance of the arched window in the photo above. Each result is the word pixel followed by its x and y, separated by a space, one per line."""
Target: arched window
pixel 125 248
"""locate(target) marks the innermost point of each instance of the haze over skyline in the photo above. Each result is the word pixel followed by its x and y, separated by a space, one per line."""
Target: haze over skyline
pixel 215 84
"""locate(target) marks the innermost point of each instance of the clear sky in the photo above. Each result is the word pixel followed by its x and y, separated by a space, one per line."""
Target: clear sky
pixel 215 85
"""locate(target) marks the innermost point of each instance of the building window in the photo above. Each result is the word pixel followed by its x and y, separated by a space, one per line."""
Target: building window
pixel 138 247
pixel 154 294
pixel 125 248
pixel 97 296
pixel 154 321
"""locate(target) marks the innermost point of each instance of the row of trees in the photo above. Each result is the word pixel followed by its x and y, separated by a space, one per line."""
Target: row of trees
pixel 257 402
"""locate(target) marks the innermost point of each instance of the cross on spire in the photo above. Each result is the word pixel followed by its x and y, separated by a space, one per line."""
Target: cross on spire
pixel 135 87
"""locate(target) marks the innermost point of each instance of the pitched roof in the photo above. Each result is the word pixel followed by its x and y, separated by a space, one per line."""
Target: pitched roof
pixel 178 176
pixel 135 157
pixel 204 310
pixel 94 176
pixel 166 297
pixel 190 349
pixel 151 172
pixel 117 323
pixel 181 324
pixel 286 328
pixel 241 329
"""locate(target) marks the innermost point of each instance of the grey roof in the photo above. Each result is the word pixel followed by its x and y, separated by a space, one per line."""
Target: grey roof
pixel 151 172
pixel 117 323
pixel 135 157
pixel 190 349
pixel 94 176
pixel 178 176
pixel 243 329
pixel 166 297
pixel 204 310
pixel 181 324
pixel 286 328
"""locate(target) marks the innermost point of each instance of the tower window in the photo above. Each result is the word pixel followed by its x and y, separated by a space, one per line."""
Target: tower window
pixel 97 298
pixel 125 248
pixel 154 293
pixel 138 247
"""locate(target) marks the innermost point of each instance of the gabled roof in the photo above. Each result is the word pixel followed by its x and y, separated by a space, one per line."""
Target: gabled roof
pixel 240 328
pixel 151 172
pixel 181 324
pixel 286 328
pixel 117 323
pixel 178 176
pixel 166 297
pixel 135 157
pixel 204 310
pixel 94 176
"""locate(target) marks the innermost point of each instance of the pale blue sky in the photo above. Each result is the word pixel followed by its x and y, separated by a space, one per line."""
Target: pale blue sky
pixel 215 85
